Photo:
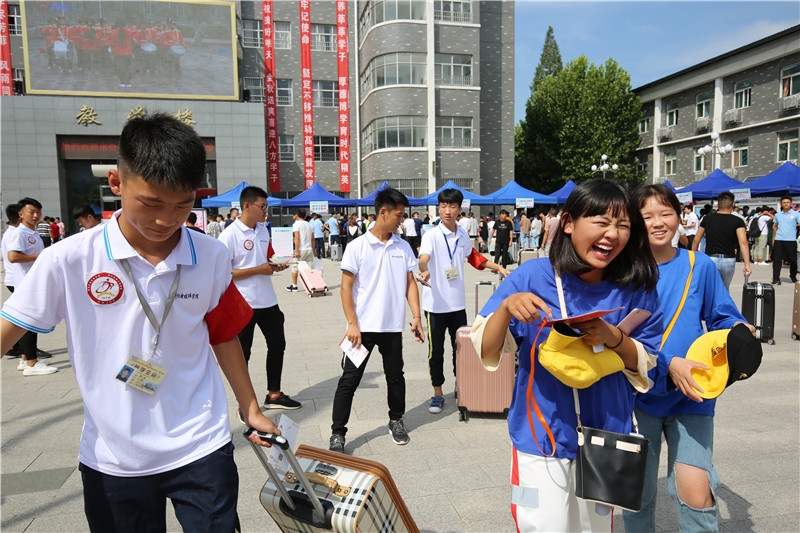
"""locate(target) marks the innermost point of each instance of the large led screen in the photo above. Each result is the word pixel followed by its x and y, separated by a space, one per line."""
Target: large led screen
pixel 151 49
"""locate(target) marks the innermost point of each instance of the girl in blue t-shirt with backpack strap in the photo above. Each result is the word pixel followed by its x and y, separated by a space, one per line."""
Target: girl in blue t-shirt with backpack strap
pixel 599 260
pixel 691 292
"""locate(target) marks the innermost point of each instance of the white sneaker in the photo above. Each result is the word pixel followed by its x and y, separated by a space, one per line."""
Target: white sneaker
pixel 22 364
pixel 39 369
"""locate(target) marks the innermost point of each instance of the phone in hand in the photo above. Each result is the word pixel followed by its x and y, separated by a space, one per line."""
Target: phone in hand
pixel 417 333
pixel 634 319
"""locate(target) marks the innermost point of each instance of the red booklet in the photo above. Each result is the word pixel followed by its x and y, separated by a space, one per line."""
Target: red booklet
pixel 584 317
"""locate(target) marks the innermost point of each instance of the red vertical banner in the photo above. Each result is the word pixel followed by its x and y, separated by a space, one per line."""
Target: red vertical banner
pixel 6 74
pixel 308 95
pixel 344 96
pixel 273 152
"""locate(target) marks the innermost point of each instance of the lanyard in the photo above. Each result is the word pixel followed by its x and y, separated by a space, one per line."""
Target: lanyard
pixel 146 306
pixel 448 244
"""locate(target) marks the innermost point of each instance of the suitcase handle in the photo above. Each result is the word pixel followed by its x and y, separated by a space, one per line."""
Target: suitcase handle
pixel 477 288
pixel 319 479
pixel 319 517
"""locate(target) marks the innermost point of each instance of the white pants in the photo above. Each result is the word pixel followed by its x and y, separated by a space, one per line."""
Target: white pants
pixel 543 497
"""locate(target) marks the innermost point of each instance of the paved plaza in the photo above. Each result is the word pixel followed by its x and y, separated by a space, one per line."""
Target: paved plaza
pixel 454 476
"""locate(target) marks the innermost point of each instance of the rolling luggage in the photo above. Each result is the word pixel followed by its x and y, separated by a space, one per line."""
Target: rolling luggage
pixel 512 253
pixel 758 307
pixel 527 253
pixel 336 252
pixel 480 390
pixel 349 494
pixel 311 280
pixel 796 313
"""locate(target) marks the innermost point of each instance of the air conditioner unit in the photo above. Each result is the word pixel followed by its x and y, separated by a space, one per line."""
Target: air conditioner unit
pixel 790 102
pixel 733 116
pixel 701 123
pixel 665 133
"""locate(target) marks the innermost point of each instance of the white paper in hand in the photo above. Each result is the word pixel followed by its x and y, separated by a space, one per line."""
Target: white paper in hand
pixel 356 355
pixel 277 457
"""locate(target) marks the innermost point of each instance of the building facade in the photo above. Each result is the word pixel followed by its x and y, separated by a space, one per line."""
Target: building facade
pixel 747 99
pixel 431 99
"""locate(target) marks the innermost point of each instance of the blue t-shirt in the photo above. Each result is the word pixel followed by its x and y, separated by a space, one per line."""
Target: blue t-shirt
pixel 333 225
pixel 517 221
pixel 317 225
pixel 608 403
pixel 708 301
pixel 787 225
pixel 418 225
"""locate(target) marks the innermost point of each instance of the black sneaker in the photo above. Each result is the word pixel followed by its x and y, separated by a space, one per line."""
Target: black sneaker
pixel 337 443
pixel 13 353
pixel 281 402
pixel 776 282
pixel 240 416
pixel 398 432
pixel 292 288
pixel 41 354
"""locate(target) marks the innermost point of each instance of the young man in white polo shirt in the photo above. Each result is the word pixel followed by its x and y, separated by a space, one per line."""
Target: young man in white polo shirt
pixel 442 255
pixel 377 280
pixel 23 248
pixel 303 248
pixel 12 216
pixel 248 242
pixel 144 292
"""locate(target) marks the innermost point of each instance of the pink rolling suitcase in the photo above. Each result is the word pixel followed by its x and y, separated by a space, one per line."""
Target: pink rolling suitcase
pixel 311 279
pixel 479 390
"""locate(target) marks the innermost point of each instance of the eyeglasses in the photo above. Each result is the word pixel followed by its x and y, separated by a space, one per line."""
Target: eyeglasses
pixel 263 207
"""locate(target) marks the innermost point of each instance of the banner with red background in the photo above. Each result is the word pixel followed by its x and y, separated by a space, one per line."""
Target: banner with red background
pixel 6 74
pixel 273 155
pixel 308 95
pixel 344 96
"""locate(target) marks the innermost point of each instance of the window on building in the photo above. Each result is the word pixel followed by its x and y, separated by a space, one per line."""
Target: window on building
pixel 672 114
pixel 740 153
pixel 741 95
pixel 14 20
pixel 670 163
pixel 453 69
pixel 704 104
pixel 252 34
pixel 284 92
pixel 644 125
pixel 395 132
pixel 787 145
pixel 325 93
pixel 790 80
pixel 286 148
pixel 323 37
pixel 326 148
pixel 453 132
pixel 700 161
pixel 19 80
pixel 453 10
pixel 283 35
pixel 256 88
pixel 378 11
pixel 642 167
pixel 393 69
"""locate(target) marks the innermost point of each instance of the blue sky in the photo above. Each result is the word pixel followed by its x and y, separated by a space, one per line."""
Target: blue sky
pixel 648 39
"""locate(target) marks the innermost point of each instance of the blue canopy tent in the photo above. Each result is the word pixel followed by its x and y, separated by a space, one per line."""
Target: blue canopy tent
pixel 317 193
pixel 227 199
pixel 369 200
pixel 783 180
pixel 563 193
pixel 671 186
pixel 508 194
pixel 712 185
pixel 433 198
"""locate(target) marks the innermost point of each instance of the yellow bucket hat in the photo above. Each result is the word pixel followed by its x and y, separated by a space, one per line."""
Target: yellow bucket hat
pixel 710 349
pixel 573 361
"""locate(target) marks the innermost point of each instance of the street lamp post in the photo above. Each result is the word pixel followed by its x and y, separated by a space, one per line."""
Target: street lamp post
pixel 604 166
pixel 715 148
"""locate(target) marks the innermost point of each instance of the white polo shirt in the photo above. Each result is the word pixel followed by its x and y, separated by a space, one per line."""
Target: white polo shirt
pixel 8 278
pixel 248 249
pixel 445 296
pixel 306 233
pixel 463 223
pixel 127 432
pixel 26 241
pixel 381 281
pixel 409 227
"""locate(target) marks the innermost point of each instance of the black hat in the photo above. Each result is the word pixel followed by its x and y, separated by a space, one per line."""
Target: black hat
pixel 744 354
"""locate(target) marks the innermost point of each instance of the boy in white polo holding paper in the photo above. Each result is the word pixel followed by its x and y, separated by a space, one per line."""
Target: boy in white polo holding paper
pixel 442 255
pixel 377 280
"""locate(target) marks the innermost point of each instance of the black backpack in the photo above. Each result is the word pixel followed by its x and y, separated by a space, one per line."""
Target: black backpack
pixel 753 231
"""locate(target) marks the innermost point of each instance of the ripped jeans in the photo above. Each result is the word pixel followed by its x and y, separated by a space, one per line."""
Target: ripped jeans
pixel 690 441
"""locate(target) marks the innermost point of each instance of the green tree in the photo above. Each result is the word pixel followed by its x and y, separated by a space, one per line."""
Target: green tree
pixel 571 120
pixel 549 62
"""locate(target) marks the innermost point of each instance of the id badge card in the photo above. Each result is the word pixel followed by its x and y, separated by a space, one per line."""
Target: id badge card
pixel 143 373
pixel 451 274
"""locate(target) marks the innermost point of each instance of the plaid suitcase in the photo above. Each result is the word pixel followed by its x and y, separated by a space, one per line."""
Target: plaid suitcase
pixel 351 494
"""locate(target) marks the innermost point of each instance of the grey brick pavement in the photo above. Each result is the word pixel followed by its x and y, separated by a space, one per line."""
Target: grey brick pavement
pixel 453 475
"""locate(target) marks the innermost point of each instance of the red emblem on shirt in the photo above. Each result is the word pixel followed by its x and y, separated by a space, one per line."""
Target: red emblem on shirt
pixel 31 239
pixel 248 245
pixel 104 288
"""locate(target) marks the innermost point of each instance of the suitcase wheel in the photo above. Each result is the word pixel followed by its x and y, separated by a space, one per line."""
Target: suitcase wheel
pixel 771 341
pixel 463 416
pixel 795 337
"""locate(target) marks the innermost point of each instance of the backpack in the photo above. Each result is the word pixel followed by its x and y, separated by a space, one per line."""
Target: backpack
pixel 753 231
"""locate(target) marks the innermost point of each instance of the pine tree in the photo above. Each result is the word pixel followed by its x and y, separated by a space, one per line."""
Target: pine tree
pixel 549 61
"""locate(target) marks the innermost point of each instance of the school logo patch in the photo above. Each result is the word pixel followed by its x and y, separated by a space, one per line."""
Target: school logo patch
pixel 31 239
pixel 104 288
pixel 248 245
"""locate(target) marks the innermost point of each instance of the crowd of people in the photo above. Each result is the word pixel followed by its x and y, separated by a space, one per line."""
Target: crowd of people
pixel 182 306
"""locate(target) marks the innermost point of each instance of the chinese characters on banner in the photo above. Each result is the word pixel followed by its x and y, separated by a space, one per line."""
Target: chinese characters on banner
pixel 6 79
pixel 273 159
pixel 344 96
pixel 308 99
